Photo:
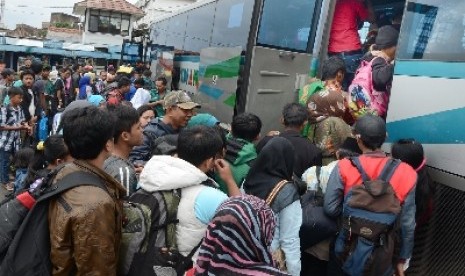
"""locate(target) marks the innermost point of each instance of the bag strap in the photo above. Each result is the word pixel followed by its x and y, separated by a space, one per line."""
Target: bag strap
pixel 389 169
pixel 319 190
pixel 72 180
pixel 277 188
pixel 356 163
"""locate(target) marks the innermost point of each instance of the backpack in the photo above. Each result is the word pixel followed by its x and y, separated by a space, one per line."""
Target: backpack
pixel 362 97
pixel 316 225
pixel 368 242
pixel 29 251
pixel 149 245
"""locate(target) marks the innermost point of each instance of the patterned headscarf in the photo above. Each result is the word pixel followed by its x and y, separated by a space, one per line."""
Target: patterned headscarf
pixel 326 103
pixel 238 240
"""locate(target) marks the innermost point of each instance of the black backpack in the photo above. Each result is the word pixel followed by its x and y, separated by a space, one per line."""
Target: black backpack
pixel 29 252
pixel 157 253
pixel 316 225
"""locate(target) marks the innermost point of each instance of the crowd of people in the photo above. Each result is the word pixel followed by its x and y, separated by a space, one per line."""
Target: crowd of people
pixel 319 198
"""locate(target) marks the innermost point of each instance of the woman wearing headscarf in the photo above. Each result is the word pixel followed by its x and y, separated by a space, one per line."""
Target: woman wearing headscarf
pixel 238 240
pixel 273 167
pixel 328 130
pixel 85 88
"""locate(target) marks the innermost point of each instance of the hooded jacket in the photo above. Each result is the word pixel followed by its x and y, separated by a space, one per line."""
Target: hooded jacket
pixel 156 128
pixel 198 202
pixel 240 155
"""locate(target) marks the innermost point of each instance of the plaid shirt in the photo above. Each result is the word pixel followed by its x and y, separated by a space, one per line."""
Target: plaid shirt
pixel 9 116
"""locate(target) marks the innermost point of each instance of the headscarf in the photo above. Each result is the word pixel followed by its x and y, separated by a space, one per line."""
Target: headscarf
pixel 274 163
pixel 325 103
pixel 96 100
pixel 83 83
pixel 203 119
pixel 238 240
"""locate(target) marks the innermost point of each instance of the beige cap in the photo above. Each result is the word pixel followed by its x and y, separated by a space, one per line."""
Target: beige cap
pixel 181 99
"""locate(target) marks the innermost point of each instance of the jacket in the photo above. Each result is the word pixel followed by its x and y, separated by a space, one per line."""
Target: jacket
pixel 345 176
pixel 85 225
pixel 123 171
pixel 156 128
pixel 240 154
pixel 198 202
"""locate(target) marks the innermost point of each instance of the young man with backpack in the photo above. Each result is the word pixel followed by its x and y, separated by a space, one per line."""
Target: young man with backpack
pixel 182 200
pixel 75 225
pixel 375 196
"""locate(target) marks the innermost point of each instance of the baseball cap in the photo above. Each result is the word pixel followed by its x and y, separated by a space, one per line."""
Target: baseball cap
pixel 370 126
pixel 181 99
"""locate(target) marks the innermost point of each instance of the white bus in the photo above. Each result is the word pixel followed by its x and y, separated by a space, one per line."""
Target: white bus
pixel 270 47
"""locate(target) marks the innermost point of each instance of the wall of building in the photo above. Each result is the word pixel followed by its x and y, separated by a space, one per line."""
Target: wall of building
pixel 68 35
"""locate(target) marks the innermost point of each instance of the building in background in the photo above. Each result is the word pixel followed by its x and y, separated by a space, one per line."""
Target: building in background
pixel 160 8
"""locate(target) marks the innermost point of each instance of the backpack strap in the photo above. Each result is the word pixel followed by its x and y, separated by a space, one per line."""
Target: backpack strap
pixel 277 188
pixel 356 163
pixel 72 180
pixel 389 169
pixel 319 190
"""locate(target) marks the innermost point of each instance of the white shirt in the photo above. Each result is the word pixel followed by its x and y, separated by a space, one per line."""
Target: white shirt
pixel 140 98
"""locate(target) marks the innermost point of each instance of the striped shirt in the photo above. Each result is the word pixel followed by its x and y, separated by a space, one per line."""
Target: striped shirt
pixel 9 116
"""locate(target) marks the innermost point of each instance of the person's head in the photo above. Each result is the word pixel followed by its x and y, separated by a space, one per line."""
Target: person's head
pixel 246 126
pixel 410 152
pixel 370 131
pixel 27 77
pixel 16 96
pixel 139 83
pixel 27 63
pixel 77 68
pixel 8 75
pixel 37 67
pixel 147 74
pixel 179 108
pixel 199 146
pixel 46 71
pixel 103 75
pixel 203 119
pixel 96 100
pixel 386 41
pixel 136 75
pixel 88 132
pixel 2 65
pixel 349 148
pixel 55 150
pixel 66 73
pixel 294 116
pixel 160 84
pixel 124 84
pixel 333 69
pixel 139 63
pixel 23 157
pixel 146 114
pixel 128 129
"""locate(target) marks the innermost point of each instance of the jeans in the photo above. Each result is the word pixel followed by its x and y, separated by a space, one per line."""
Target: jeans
pixel 352 62
pixel 5 166
pixel 21 174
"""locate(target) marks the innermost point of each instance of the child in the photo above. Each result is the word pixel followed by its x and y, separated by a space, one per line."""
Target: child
pixel 21 160
pixel 366 97
pixel 142 96
pixel 12 121
pixel 49 154
pixel 128 133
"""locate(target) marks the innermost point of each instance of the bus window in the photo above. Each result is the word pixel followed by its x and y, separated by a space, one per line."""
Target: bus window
pixel 286 24
pixel 433 30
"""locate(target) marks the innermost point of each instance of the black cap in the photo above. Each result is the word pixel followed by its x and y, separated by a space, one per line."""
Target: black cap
pixel 370 126
pixel 386 38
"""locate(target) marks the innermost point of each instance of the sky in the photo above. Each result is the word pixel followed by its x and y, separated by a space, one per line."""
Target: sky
pixel 34 12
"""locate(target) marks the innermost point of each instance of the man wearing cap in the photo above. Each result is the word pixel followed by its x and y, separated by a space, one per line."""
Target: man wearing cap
pixel 179 108
pixel 370 132
pixel 8 76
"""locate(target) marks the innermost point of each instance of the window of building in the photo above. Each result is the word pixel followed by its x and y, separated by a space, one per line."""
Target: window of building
pixel 109 22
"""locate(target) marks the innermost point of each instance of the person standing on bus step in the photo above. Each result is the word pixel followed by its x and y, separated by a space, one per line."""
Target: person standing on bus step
pixel 344 40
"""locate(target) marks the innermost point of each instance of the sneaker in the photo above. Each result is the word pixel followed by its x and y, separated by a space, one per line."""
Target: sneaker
pixel 9 187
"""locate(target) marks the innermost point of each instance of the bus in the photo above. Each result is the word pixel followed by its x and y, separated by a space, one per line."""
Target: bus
pixel 254 55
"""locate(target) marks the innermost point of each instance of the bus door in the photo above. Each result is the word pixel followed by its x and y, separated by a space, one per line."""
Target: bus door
pixel 278 56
